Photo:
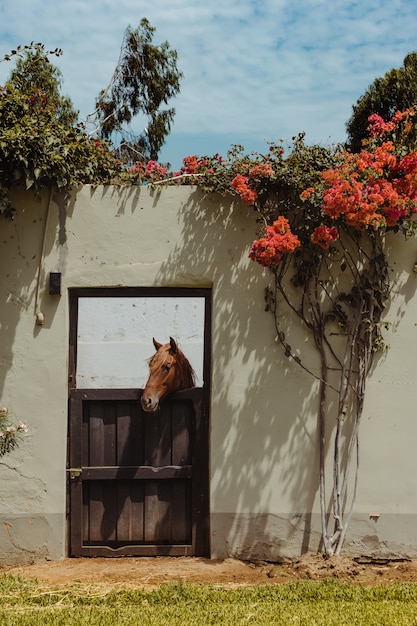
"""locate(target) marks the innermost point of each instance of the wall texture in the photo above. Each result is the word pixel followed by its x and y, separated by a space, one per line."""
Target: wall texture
pixel 264 444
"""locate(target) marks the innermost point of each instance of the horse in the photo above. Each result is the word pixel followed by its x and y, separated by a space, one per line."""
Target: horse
pixel 169 370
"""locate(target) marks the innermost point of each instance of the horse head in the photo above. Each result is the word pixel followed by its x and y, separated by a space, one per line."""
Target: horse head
pixel 169 370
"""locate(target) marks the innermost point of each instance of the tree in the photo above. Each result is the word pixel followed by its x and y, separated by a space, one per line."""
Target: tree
pixel 39 146
pixel 34 73
pixel 145 78
pixel 395 91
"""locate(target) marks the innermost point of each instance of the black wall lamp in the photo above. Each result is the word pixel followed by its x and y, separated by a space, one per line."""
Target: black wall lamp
pixel 55 283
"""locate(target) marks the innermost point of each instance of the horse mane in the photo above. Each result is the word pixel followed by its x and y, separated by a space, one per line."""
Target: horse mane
pixel 186 370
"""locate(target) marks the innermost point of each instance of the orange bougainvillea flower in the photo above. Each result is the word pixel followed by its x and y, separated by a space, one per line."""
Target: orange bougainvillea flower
pixel 324 235
pixel 372 189
pixel 240 184
pixel 191 165
pixel 279 240
pixel 305 195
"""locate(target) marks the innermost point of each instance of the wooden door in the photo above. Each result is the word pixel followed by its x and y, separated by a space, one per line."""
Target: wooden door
pixel 138 482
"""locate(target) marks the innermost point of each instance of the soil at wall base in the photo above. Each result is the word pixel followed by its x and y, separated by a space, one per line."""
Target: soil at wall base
pixel 151 572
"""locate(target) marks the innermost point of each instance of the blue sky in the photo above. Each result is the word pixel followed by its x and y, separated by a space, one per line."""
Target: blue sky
pixel 254 70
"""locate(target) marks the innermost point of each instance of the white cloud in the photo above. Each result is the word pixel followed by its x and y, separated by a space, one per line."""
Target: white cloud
pixel 252 70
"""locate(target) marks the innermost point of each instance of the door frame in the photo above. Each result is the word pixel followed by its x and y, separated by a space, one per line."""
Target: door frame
pixel 201 495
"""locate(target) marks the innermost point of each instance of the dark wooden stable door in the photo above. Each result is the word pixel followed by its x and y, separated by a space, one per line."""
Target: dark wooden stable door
pixel 138 483
pixel 137 480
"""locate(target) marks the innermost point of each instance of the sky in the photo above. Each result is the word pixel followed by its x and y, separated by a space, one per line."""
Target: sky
pixel 255 71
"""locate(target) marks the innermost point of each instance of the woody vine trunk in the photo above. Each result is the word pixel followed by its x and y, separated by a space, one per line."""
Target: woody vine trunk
pixel 339 298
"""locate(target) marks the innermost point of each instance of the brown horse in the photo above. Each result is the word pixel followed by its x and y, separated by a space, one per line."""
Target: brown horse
pixel 169 371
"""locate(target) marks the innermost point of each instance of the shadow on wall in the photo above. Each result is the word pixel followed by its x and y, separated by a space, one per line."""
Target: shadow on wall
pixel 402 257
pixel 26 243
pixel 264 442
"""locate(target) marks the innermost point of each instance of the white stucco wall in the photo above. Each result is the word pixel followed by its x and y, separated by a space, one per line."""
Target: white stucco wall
pixel 264 444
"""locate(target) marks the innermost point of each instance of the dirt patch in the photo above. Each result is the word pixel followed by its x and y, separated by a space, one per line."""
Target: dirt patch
pixel 151 572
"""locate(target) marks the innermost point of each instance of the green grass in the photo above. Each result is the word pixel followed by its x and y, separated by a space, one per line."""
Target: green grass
pixel 29 603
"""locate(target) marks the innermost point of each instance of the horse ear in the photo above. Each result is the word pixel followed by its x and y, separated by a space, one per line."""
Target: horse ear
pixel 156 344
pixel 173 345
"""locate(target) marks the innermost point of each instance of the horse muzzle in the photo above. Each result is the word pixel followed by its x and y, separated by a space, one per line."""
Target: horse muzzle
pixel 149 404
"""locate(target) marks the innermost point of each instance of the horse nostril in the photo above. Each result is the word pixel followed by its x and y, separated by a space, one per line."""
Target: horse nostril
pixel 146 402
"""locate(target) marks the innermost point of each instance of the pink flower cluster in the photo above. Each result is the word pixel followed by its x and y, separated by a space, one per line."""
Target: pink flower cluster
pixel 378 127
pixel 263 170
pixel 154 171
pixel 151 172
pixel 38 99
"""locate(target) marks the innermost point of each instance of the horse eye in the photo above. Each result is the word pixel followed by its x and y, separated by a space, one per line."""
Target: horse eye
pixel 166 368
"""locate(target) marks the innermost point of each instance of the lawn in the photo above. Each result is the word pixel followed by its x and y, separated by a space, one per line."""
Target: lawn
pixel 25 602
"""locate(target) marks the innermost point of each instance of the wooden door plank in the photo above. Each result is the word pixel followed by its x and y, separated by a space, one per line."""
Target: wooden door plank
pixel 153 427
pixel 124 426
pixel 181 426
pixel 138 511
pixel 94 417
pixel 96 512
pixel 108 412
pixel 181 512
pixel 151 512
pixel 129 424
pixel 124 530
pixel 163 504
pixel 164 443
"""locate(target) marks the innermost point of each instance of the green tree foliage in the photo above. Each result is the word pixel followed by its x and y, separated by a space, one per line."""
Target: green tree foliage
pixel 39 146
pixel 145 78
pixel 34 73
pixel 396 91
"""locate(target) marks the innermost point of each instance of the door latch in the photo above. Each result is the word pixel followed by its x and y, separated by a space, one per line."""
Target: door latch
pixel 75 472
